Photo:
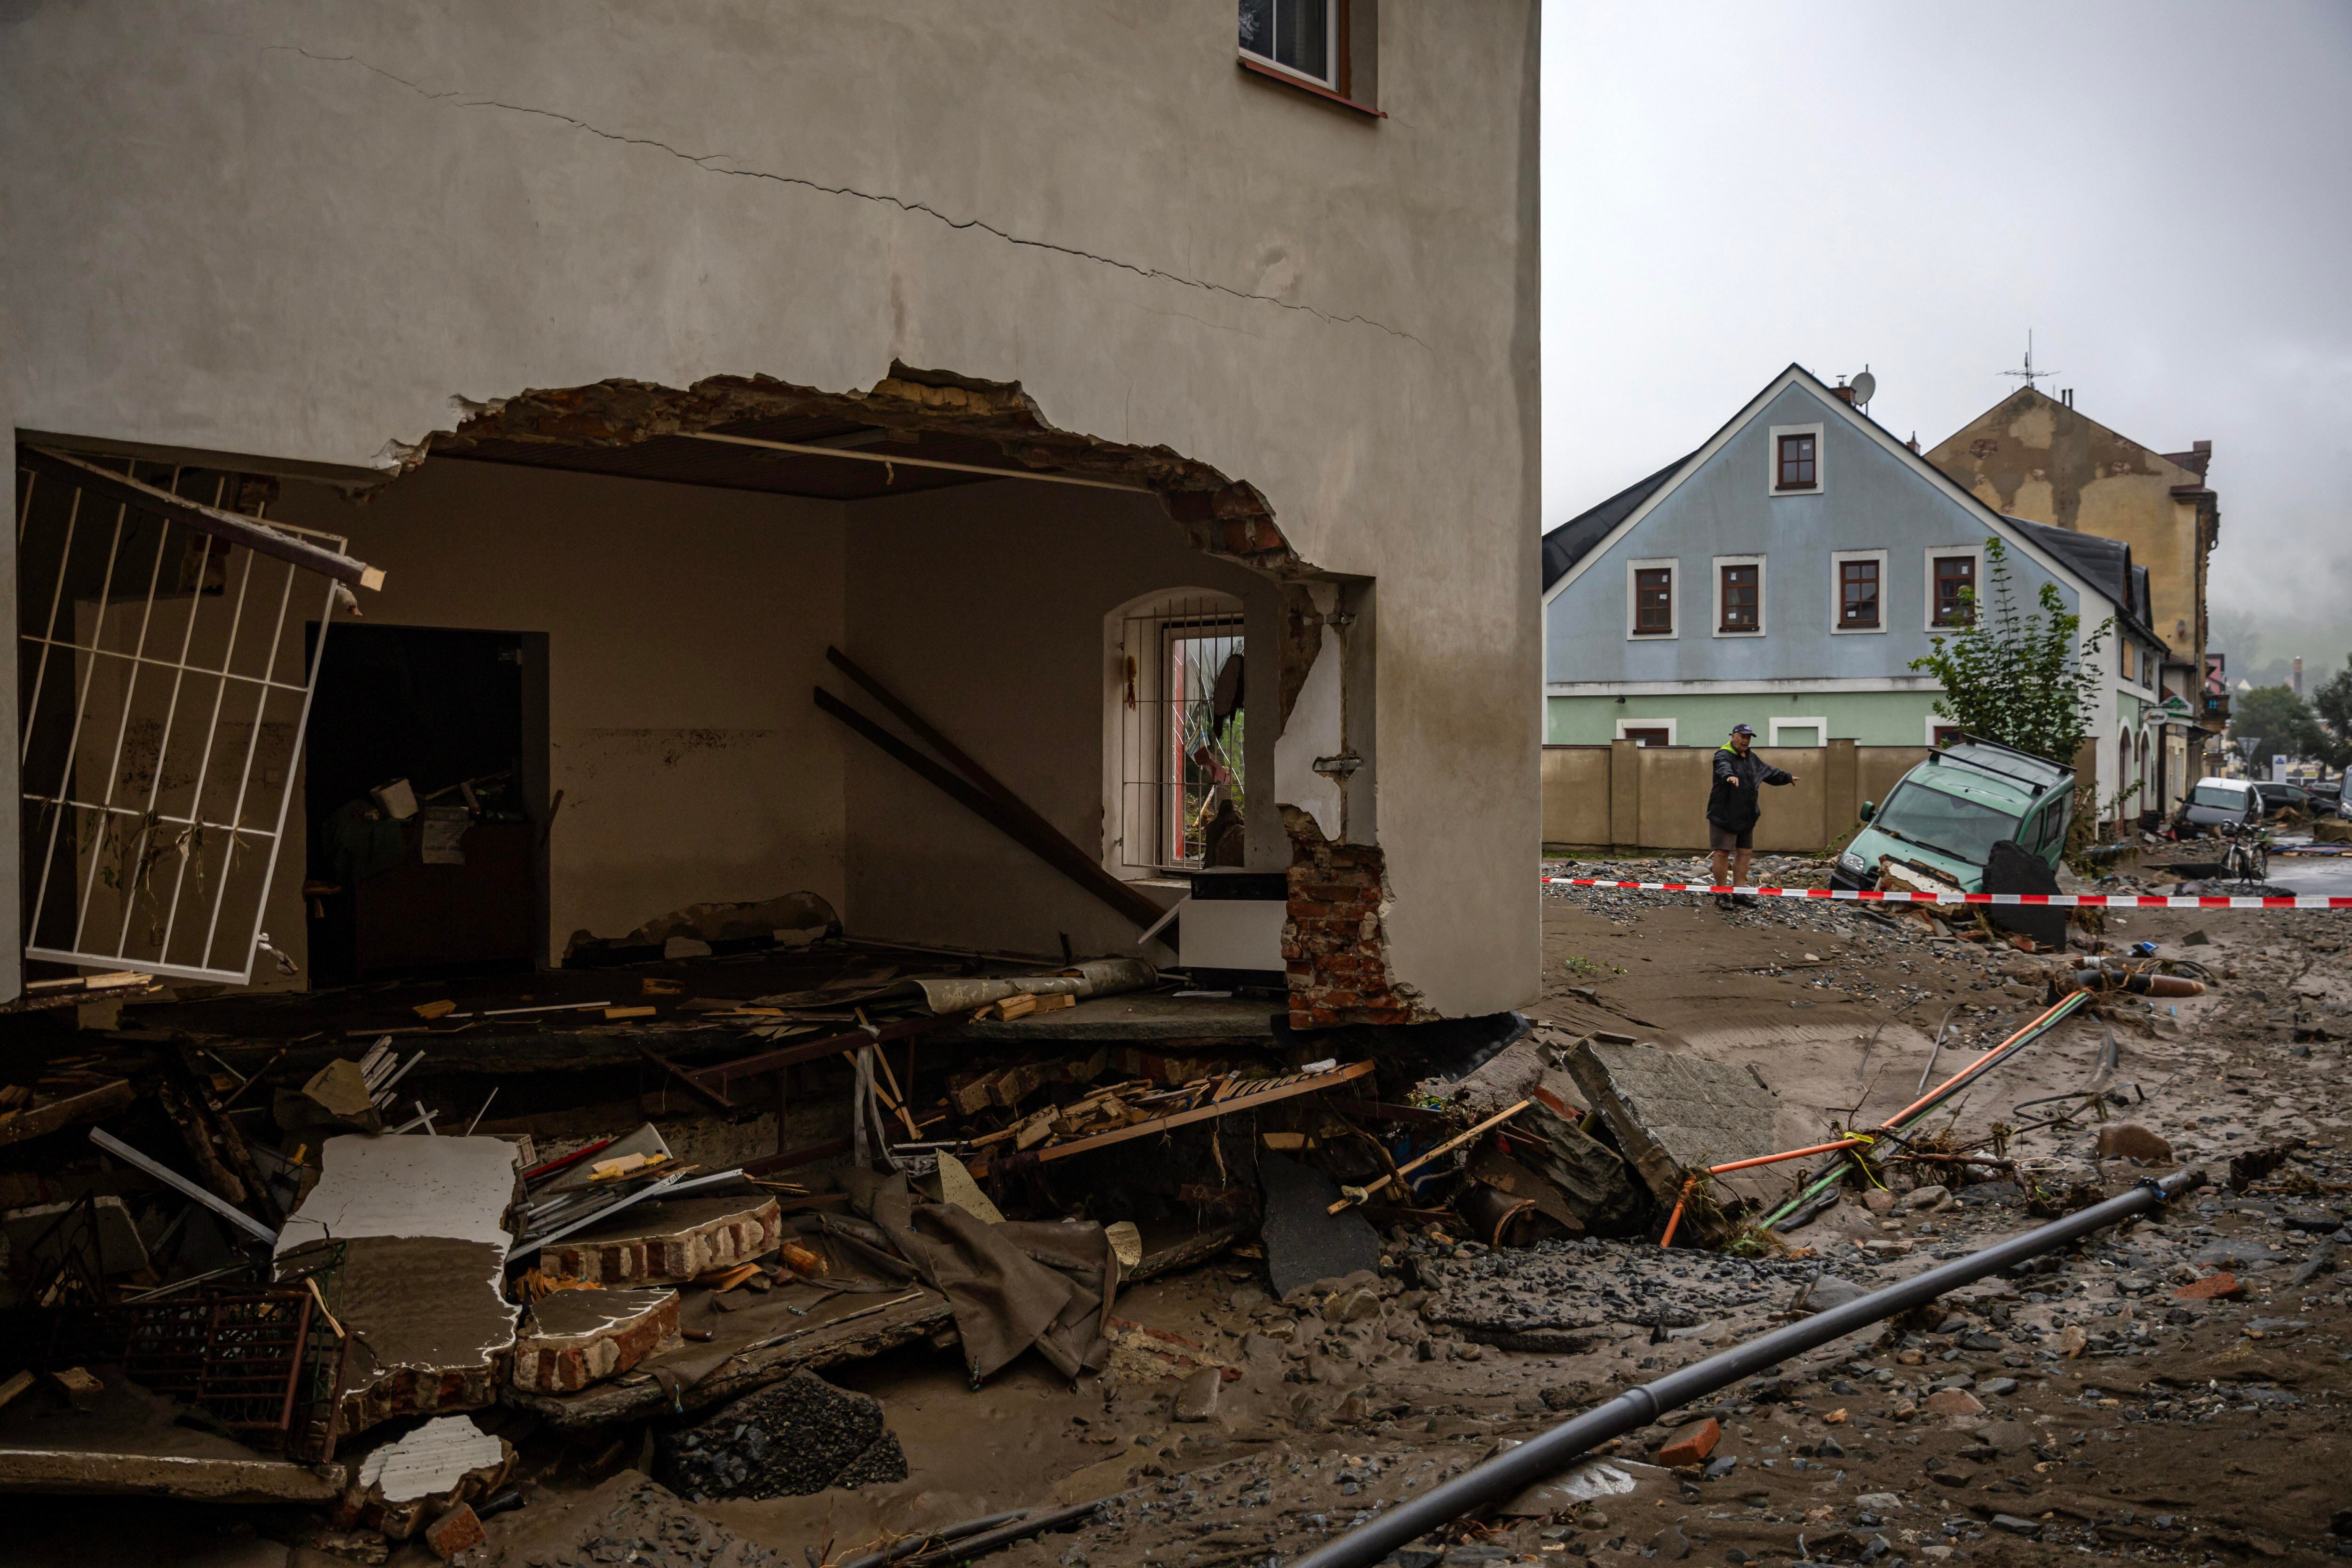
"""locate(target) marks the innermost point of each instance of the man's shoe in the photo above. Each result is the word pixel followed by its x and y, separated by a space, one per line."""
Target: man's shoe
pixel 1723 900
pixel 1745 900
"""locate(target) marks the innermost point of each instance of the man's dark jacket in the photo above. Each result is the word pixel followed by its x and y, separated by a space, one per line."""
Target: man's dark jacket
pixel 1733 803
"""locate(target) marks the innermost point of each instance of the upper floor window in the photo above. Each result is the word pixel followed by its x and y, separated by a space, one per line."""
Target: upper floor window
pixel 1741 599
pixel 1299 36
pixel 1654 601
pixel 1858 594
pixel 1799 467
pixel 1956 589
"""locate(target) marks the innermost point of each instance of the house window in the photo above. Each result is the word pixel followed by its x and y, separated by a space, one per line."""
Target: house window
pixel 1956 587
pixel 1940 734
pixel 1742 607
pixel 1177 673
pixel 1654 601
pixel 1858 594
pixel 1645 736
pixel 1798 468
pixel 1300 35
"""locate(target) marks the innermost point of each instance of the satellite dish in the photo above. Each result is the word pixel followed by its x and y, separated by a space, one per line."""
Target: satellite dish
pixel 1864 385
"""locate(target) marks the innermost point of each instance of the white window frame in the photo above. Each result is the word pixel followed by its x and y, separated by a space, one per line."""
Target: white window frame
pixel 1838 558
pixel 1820 726
pixel 1772 460
pixel 1715 594
pixel 1330 51
pixel 1927 579
pixel 1674 598
pixel 1673 737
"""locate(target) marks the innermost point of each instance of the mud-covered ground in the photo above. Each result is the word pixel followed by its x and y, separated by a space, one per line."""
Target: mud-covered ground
pixel 2080 1406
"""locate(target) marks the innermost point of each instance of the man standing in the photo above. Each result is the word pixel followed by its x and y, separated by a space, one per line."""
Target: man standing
pixel 1733 806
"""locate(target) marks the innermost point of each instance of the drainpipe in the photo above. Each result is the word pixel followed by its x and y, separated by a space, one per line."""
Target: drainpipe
pixel 1513 1471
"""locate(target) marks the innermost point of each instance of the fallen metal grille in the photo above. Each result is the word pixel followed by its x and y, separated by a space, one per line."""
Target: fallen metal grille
pixel 162 702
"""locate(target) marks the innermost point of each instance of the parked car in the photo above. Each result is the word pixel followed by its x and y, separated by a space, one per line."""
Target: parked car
pixel 1947 813
pixel 2215 801
pixel 2327 799
pixel 2280 798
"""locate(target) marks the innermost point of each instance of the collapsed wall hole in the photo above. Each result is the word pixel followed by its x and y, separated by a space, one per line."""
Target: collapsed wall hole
pixel 898 450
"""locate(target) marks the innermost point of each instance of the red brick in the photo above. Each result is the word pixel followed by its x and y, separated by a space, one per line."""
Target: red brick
pixel 1693 1443
pixel 454 1532
pixel 2219 1286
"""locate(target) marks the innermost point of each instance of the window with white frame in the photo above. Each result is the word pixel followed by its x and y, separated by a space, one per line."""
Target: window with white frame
pixel 1955 584
pixel 1857 591
pixel 1178 669
pixel 1302 36
pixel 1650 598
pixel 1793 463
pixel 1647 731
pixel 1798 731
pixel 1740 595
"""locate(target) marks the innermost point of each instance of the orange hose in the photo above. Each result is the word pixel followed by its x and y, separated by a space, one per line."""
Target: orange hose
pixel 1976 1066
pixel 1792 1155
pixel 1676 1219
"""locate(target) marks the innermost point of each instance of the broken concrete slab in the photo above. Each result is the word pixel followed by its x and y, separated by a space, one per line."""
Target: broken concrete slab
pixel 1591 1178
pixel 1673 1114
pixel 195 1477
pixel 668 1242
pixel 446 1461
pixel 573 1338
pixel 797 1437
pixel 421 1224
pixel 1303 1241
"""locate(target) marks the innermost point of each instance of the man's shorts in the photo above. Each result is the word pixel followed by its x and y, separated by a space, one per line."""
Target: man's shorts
pixel 1720 838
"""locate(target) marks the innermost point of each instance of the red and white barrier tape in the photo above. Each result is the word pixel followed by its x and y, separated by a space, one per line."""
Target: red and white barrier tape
pixel 2052 901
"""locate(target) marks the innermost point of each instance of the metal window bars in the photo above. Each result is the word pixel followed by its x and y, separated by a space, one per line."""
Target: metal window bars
pixel 1180 753
pixel 161 701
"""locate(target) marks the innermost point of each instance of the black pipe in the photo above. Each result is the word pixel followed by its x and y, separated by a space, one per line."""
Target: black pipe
pixel 1532 1461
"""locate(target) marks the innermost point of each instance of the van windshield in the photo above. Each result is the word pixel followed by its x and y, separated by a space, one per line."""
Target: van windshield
pixel 2213 795
pixel 1964 829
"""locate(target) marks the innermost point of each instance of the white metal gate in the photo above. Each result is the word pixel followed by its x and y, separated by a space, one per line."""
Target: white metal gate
pixel 161 699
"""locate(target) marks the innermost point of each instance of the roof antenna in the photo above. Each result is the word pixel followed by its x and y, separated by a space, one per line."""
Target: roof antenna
pixel 2028 375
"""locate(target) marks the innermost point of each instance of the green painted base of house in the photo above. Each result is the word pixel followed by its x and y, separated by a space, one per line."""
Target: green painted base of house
pixel 1780 718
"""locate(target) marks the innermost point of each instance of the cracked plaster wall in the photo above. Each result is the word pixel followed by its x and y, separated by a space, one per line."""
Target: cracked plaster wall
pixel 265 228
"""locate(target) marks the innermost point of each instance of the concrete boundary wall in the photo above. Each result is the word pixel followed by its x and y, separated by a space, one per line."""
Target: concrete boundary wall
pixel 1624 795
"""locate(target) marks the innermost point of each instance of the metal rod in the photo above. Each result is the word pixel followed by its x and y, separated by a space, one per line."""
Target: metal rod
pixel 1019 1529
pixel 888 460
pixel 205 761
pixel 81 709
pixel 930 1538
pixel 1547 1455
pixel 1935 1050
pixel 169 1177
pixel 245 778
pixel 56 596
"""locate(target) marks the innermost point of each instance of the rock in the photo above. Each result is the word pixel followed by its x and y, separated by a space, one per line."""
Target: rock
pixel 1196 1396
pixel 2130 1140
pixel 2316 1221
pixel 454 1532
pixel 2015 1525
pixel 794 1438
pixel 1998 1386
pixel 2233 1254
pixel 1691 1444
pixel 1921 1199
pixel 1352 1306
pixel 1824 1292
pixel 2321 1260
pixel 1670 1544
pixel 2220 1286
pixel 1878 1201
pixel 2074 1340
pixel 1719 1467
pixel 1879 1502
pixel 1953 1402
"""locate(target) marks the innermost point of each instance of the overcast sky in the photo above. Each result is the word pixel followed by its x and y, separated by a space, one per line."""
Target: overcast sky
pixel 2163 193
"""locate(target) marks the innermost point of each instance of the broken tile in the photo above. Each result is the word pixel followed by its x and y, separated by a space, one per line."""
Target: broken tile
pixel 446 1461
pixel 1672 1113
pixel 668 1242
pixel 570 1339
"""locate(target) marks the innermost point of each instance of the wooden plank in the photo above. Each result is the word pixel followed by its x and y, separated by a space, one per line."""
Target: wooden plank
pixel 103 1100
pixel 251 532
pixel 1278 1088
pixel 1048 846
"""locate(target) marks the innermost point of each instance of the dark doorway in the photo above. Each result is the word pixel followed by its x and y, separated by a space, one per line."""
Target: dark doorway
pixel 426 793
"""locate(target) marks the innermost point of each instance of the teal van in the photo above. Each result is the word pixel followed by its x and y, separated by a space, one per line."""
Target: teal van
pixel 1946 814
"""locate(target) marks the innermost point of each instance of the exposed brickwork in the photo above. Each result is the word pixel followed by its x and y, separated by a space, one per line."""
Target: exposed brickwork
pixel 1334 948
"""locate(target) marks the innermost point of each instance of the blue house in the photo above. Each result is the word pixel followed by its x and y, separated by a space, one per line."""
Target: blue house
pixel 1788 572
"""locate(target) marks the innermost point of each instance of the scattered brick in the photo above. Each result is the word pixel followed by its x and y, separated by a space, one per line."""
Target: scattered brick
pixel 1953 1402
pixel 454 1532
pixel 1693 1443
pixel 2218 1287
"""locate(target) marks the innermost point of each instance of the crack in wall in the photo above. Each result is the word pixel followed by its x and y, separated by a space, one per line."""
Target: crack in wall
pixel 709 163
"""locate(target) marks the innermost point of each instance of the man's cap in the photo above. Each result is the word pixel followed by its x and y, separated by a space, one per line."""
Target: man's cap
pixel 1743 730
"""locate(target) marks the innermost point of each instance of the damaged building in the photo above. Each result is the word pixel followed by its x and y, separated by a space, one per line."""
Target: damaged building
pixel 667 713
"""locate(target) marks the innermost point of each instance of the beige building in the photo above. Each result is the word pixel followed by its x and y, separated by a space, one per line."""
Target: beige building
pixel 1040 360
pixel 2033 456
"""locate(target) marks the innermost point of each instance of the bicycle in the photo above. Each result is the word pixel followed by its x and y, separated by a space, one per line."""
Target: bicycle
pixel 2245 860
